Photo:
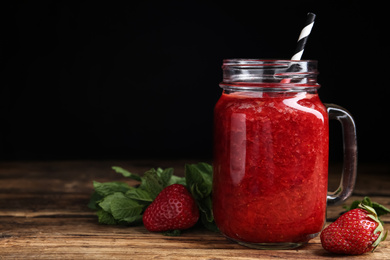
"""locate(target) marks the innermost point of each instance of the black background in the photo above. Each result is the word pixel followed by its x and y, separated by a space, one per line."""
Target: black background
pixel 92 80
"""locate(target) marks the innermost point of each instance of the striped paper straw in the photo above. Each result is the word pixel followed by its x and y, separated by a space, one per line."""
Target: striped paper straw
pixel 303 36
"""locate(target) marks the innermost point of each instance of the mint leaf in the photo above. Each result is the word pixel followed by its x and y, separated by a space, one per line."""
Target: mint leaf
pixel 172 233
pixel 105 217
pixel 177 180
pixel 134 220
pixel 206 207
pixel 117 208
pixel 152 183
pixel 380 209
pixel 108 188
pixel 199 182
pixel 105 203
pixel 354 205
pixel 165 175
pixel 126 173
pixel 139 195
pixel 125 208
pixel 93 202
pixel 367 201
pixel 119 203
pixel 199 179
pixel 210 225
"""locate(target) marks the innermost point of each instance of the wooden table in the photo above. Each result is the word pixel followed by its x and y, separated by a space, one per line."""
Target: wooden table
pixel 44 215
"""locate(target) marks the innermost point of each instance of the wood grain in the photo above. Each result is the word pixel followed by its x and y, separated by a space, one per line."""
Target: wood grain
pixel 43 215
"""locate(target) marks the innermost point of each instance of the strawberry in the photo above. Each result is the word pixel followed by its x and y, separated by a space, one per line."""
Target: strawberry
pixel 173 208
pixel 355 232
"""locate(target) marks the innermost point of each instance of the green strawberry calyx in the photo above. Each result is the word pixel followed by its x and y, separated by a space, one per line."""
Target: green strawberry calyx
pixel 373 215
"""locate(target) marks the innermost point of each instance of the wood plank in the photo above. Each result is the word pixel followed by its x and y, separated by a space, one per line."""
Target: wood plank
pixel 43 214
pixel 75 238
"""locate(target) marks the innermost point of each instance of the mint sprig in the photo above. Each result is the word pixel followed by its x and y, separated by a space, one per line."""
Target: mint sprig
pixel 379 209
pixel 118 203
pixel 199 179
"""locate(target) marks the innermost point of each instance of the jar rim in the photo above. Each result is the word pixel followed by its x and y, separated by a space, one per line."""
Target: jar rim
pixel 248 61
pixel 273 73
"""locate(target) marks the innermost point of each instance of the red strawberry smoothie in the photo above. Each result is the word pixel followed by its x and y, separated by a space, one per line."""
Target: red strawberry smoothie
pixel 270 166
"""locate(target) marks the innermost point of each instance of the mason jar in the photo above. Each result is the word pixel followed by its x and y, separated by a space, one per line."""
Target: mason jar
pixel 271 145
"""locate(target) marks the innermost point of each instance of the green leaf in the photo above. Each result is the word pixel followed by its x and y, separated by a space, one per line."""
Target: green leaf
pixel 177 180
pixel 134 220
pixel 105 217
pixel 354 205
pixel 139 194
pixel 205 205
pixel 199 182
pixel 94 200
pixel 199 179
pixel 119 208
pixel 105 203
pixel 152 183
pixel 126 173
pixel 367 201
pixel 165 175
pixel 210 225
pixel 380 209
pixel 172 233
pixel 125 208
pixel 108 188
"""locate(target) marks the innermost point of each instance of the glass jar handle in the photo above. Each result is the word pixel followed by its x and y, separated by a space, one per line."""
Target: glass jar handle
pixel 348 176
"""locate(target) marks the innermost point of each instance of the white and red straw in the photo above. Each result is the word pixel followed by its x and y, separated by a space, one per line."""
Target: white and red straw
pixel 304 36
